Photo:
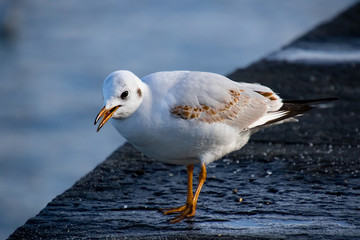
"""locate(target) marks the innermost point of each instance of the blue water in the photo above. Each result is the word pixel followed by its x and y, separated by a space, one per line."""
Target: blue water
pixel 54 56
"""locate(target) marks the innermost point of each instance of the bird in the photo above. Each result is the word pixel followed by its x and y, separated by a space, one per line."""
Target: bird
pixel 191 117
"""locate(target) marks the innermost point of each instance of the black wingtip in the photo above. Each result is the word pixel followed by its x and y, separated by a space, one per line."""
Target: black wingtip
pixel 295 108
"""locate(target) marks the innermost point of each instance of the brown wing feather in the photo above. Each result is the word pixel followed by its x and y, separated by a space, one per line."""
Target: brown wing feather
pixel 241 111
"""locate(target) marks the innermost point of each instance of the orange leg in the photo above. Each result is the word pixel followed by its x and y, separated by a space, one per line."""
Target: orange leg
pixel 190 169
pixel 189 209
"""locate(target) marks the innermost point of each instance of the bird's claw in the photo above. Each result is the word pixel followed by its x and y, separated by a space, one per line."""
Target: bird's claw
pixel 185 211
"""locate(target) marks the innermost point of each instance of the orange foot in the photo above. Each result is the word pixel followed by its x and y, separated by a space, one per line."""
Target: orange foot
pixel 185 211
pixel 189 209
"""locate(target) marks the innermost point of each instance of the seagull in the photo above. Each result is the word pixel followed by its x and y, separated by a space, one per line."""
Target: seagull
pixel 189 117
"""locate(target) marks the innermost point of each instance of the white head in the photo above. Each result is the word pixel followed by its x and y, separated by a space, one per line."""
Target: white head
pixel 122 93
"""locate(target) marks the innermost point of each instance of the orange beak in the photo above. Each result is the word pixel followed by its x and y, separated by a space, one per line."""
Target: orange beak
pixel 106 115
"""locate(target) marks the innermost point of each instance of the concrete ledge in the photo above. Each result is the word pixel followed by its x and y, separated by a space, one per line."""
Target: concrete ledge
pixel 294 181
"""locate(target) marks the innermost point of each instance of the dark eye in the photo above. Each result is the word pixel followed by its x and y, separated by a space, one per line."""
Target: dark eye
pixel 124 94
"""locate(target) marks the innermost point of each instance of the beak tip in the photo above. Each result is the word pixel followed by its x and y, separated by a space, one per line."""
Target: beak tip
pixel 105 115
pixel 99 127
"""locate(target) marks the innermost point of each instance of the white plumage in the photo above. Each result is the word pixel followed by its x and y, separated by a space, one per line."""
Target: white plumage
pixel 185 117
pixel 148 123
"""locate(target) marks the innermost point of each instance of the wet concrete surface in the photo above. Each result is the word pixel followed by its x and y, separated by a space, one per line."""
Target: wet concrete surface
pixel 293 181
pixel 287 190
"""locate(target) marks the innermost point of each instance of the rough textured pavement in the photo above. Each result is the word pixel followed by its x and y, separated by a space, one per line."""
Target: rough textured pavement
pixel 294 181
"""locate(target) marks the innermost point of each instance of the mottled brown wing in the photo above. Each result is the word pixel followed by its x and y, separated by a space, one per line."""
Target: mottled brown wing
pixel 243 108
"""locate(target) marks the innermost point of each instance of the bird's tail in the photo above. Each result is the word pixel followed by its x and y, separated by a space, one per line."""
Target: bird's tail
pixel 293 108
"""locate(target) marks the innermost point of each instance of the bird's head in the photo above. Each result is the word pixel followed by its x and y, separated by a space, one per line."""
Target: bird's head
pixel 122 96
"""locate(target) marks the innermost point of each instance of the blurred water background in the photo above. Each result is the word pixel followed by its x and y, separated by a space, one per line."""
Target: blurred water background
pixel 54 56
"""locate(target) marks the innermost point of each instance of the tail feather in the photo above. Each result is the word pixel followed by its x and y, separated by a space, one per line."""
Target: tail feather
pixel 293 108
